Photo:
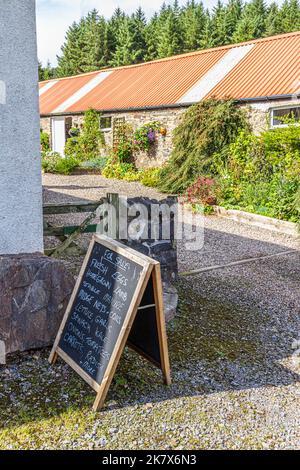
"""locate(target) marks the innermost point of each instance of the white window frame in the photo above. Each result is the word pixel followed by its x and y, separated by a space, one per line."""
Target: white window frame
pixel 278 108
pixel 106 129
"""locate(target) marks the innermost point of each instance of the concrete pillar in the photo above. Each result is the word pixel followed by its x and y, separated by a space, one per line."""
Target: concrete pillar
pixel 21 228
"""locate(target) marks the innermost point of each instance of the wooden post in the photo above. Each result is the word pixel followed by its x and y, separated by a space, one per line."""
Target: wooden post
pixel 161 324
pixel 114 220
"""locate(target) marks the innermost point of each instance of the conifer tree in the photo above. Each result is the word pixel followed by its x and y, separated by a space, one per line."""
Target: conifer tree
pixel 193 19
pixel 124 53
pixel 94 42
pixel 218 25
pixel 253 22
pixel 94 52
pixel 113 27
pixel 137 30
pixel 290 15
pixel 171 37
pixel 273 21
pixel 151 37
pixel 46 73
pixel 233 15
pixel 71 57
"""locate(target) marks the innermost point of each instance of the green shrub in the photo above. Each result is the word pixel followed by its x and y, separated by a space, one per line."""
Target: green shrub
pixel 273 152
pixel 96 164
pixel 49 161
pixel 132 176
pixel 117 170
pixel 52 162
pixel 263 173
pixel 150 177
pixel 205 130
pixel 128 172
pixel 274 198
pixel 45 141
pixel 297 205
pixel 88 144
pixel 124 147
pixel 73 149
pixel 66 165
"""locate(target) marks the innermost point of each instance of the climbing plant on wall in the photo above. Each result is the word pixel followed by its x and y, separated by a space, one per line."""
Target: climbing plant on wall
pixel 87 145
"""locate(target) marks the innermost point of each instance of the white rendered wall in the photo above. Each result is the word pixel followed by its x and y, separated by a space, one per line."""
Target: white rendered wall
pixel 21 228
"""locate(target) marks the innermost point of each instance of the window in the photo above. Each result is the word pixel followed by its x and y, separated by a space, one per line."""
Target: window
pixel 68 124
pixel 105 123
pixel 278 114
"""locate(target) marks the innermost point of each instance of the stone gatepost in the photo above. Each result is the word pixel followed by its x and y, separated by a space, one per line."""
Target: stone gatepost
pixel 21 228
pixel 33 288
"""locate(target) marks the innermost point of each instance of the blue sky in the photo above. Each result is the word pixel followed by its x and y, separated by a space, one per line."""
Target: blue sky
pixel 55 16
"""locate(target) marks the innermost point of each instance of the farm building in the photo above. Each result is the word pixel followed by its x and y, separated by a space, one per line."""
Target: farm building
pixel 262 75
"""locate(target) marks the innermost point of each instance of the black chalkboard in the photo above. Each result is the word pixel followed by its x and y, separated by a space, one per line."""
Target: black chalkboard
pixel 99 310
pixel 117 300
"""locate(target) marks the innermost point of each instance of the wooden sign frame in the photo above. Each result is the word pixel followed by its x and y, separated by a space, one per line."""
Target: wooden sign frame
pixel 150 268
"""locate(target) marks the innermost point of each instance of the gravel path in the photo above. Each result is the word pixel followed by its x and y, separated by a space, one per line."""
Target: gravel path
pixel 236 377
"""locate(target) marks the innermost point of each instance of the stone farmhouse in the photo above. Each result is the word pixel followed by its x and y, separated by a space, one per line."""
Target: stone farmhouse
pixel 262 75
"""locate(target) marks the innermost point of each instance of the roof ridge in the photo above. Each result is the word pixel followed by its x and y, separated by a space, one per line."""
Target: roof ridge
pixel 180 56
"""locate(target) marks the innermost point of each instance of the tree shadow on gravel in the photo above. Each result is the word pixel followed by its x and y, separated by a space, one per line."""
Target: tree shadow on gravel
pixel 55 197
pixel 73 187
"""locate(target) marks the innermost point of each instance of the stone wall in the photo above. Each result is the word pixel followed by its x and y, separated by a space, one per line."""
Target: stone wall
pixel 259 112
pixel 259 117
pixel 169 118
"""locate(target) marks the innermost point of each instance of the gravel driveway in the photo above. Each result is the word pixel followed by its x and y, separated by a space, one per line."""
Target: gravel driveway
pixel 236 377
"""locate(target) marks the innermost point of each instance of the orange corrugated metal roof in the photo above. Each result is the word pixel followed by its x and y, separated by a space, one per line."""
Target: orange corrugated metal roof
pixel 152 84
pixel 61 91
pixel 269 68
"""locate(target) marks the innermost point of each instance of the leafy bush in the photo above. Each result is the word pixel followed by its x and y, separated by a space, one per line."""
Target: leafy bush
pixel 73 149
pixel 66 165
pixel 275 151
pixel 297 205
pixel 52 162
pixel 150 177
pixel 124 147
pixel 96 164
pixel 263 173
pixel 45 141
pixel 117 170
pixel 203 191
pixel 273 199
pixel 206 129
pixel 132 176
pixel 74 131
pixel 49 161
pixel 128 172
pixel 88 144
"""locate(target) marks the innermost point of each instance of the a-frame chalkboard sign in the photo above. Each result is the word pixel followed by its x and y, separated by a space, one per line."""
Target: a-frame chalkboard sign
pixel 117 300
